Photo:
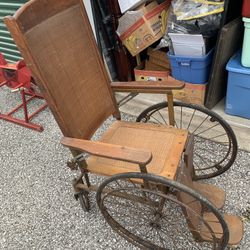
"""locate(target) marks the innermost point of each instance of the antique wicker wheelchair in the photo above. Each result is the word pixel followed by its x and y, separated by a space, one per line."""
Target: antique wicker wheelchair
pixel 150 195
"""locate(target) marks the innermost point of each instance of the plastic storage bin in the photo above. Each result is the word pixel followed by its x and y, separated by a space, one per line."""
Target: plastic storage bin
pixel 246 8
pixel 245 60
pixel 238 89
pixel 191 69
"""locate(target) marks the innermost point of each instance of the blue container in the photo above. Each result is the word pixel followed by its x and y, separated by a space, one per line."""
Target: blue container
pixel 238 89
pixel 191 69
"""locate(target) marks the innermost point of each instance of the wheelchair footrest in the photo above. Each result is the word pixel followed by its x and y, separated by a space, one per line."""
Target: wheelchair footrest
pixel 214 194
pixel 234 223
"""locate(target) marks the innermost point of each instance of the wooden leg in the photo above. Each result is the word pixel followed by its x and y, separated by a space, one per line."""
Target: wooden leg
pixel 170 100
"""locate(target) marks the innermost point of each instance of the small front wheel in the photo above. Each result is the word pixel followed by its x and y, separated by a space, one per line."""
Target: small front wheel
pixel 83 198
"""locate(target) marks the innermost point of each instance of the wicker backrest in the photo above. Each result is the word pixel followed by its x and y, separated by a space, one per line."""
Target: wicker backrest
pixel 57 43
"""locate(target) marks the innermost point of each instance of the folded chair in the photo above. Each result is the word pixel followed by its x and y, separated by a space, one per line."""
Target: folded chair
pixel 148 185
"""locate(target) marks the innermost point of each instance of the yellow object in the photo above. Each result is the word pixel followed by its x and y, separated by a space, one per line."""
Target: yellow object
pixel 164 17
pixel 218 8
pixel 130 43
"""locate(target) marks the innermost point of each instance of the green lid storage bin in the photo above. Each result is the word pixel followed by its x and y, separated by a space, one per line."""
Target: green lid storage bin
pixel 245 59
pixel 238 89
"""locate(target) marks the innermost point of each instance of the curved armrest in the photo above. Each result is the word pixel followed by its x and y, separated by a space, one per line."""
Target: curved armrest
pixel 116 152
pixel 158 87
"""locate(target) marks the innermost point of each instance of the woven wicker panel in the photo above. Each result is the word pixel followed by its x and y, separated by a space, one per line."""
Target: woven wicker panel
pixel 68 66
pixel 166 144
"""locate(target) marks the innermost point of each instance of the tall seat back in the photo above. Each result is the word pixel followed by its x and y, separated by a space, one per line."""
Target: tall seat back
pixel 58 45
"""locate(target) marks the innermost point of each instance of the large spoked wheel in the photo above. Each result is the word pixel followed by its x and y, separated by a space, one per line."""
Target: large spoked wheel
pixel 148 212
pixel 215 144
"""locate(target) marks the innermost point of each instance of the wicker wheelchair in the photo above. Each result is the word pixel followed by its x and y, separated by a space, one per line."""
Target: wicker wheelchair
pixel 150 195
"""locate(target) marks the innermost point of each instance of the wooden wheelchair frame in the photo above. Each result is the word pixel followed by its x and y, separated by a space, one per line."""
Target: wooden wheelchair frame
pixel 57 43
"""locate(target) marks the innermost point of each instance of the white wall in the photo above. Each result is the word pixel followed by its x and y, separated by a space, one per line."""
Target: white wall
pixel 90 15
pixel 89 11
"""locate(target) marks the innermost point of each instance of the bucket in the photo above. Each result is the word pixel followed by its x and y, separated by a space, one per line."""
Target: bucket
pixel 190 69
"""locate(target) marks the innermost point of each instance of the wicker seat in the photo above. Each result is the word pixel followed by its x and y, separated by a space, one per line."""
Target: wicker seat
pixel 166 144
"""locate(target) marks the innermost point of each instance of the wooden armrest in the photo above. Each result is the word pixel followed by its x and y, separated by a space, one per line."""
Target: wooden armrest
pixel 116 152
pixel 158 87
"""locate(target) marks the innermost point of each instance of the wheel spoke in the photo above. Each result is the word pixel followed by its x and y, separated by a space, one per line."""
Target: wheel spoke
pixel 156 120
pixel 122 211
pixel 161 239
pixel 176 125
pixel 217 136
pixel 118 184
pixel 134 203
pixel 181 119
pixel 203 160
pixel 191 119
pixel 162 117
pixel 209 150
pixel 208 129
pixel 200 125
pixel 175 244
pixel 148 231
pixel 132 183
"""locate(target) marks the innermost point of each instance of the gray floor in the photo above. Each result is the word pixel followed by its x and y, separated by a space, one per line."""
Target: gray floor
pixel 37 207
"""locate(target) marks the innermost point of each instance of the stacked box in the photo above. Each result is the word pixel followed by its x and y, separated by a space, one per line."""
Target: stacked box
pixel 192 93
pixel 148 29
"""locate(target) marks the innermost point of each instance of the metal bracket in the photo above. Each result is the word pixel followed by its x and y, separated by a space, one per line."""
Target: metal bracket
pixel 75 163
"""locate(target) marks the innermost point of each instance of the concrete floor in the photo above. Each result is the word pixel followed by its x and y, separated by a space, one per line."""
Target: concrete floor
pixel 240 125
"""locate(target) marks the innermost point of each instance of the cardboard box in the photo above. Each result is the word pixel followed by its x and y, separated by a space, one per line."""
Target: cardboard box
pixel 152 66
pixel 149 72
pixel 191 93
pixel 147 30
pixel 159 57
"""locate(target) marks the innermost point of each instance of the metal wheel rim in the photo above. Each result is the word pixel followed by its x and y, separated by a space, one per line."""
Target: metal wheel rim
pixel 130 236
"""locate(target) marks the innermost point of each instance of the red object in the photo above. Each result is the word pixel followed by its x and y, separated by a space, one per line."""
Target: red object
pixel 246 8
pixel 18 77
pixel 2 62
